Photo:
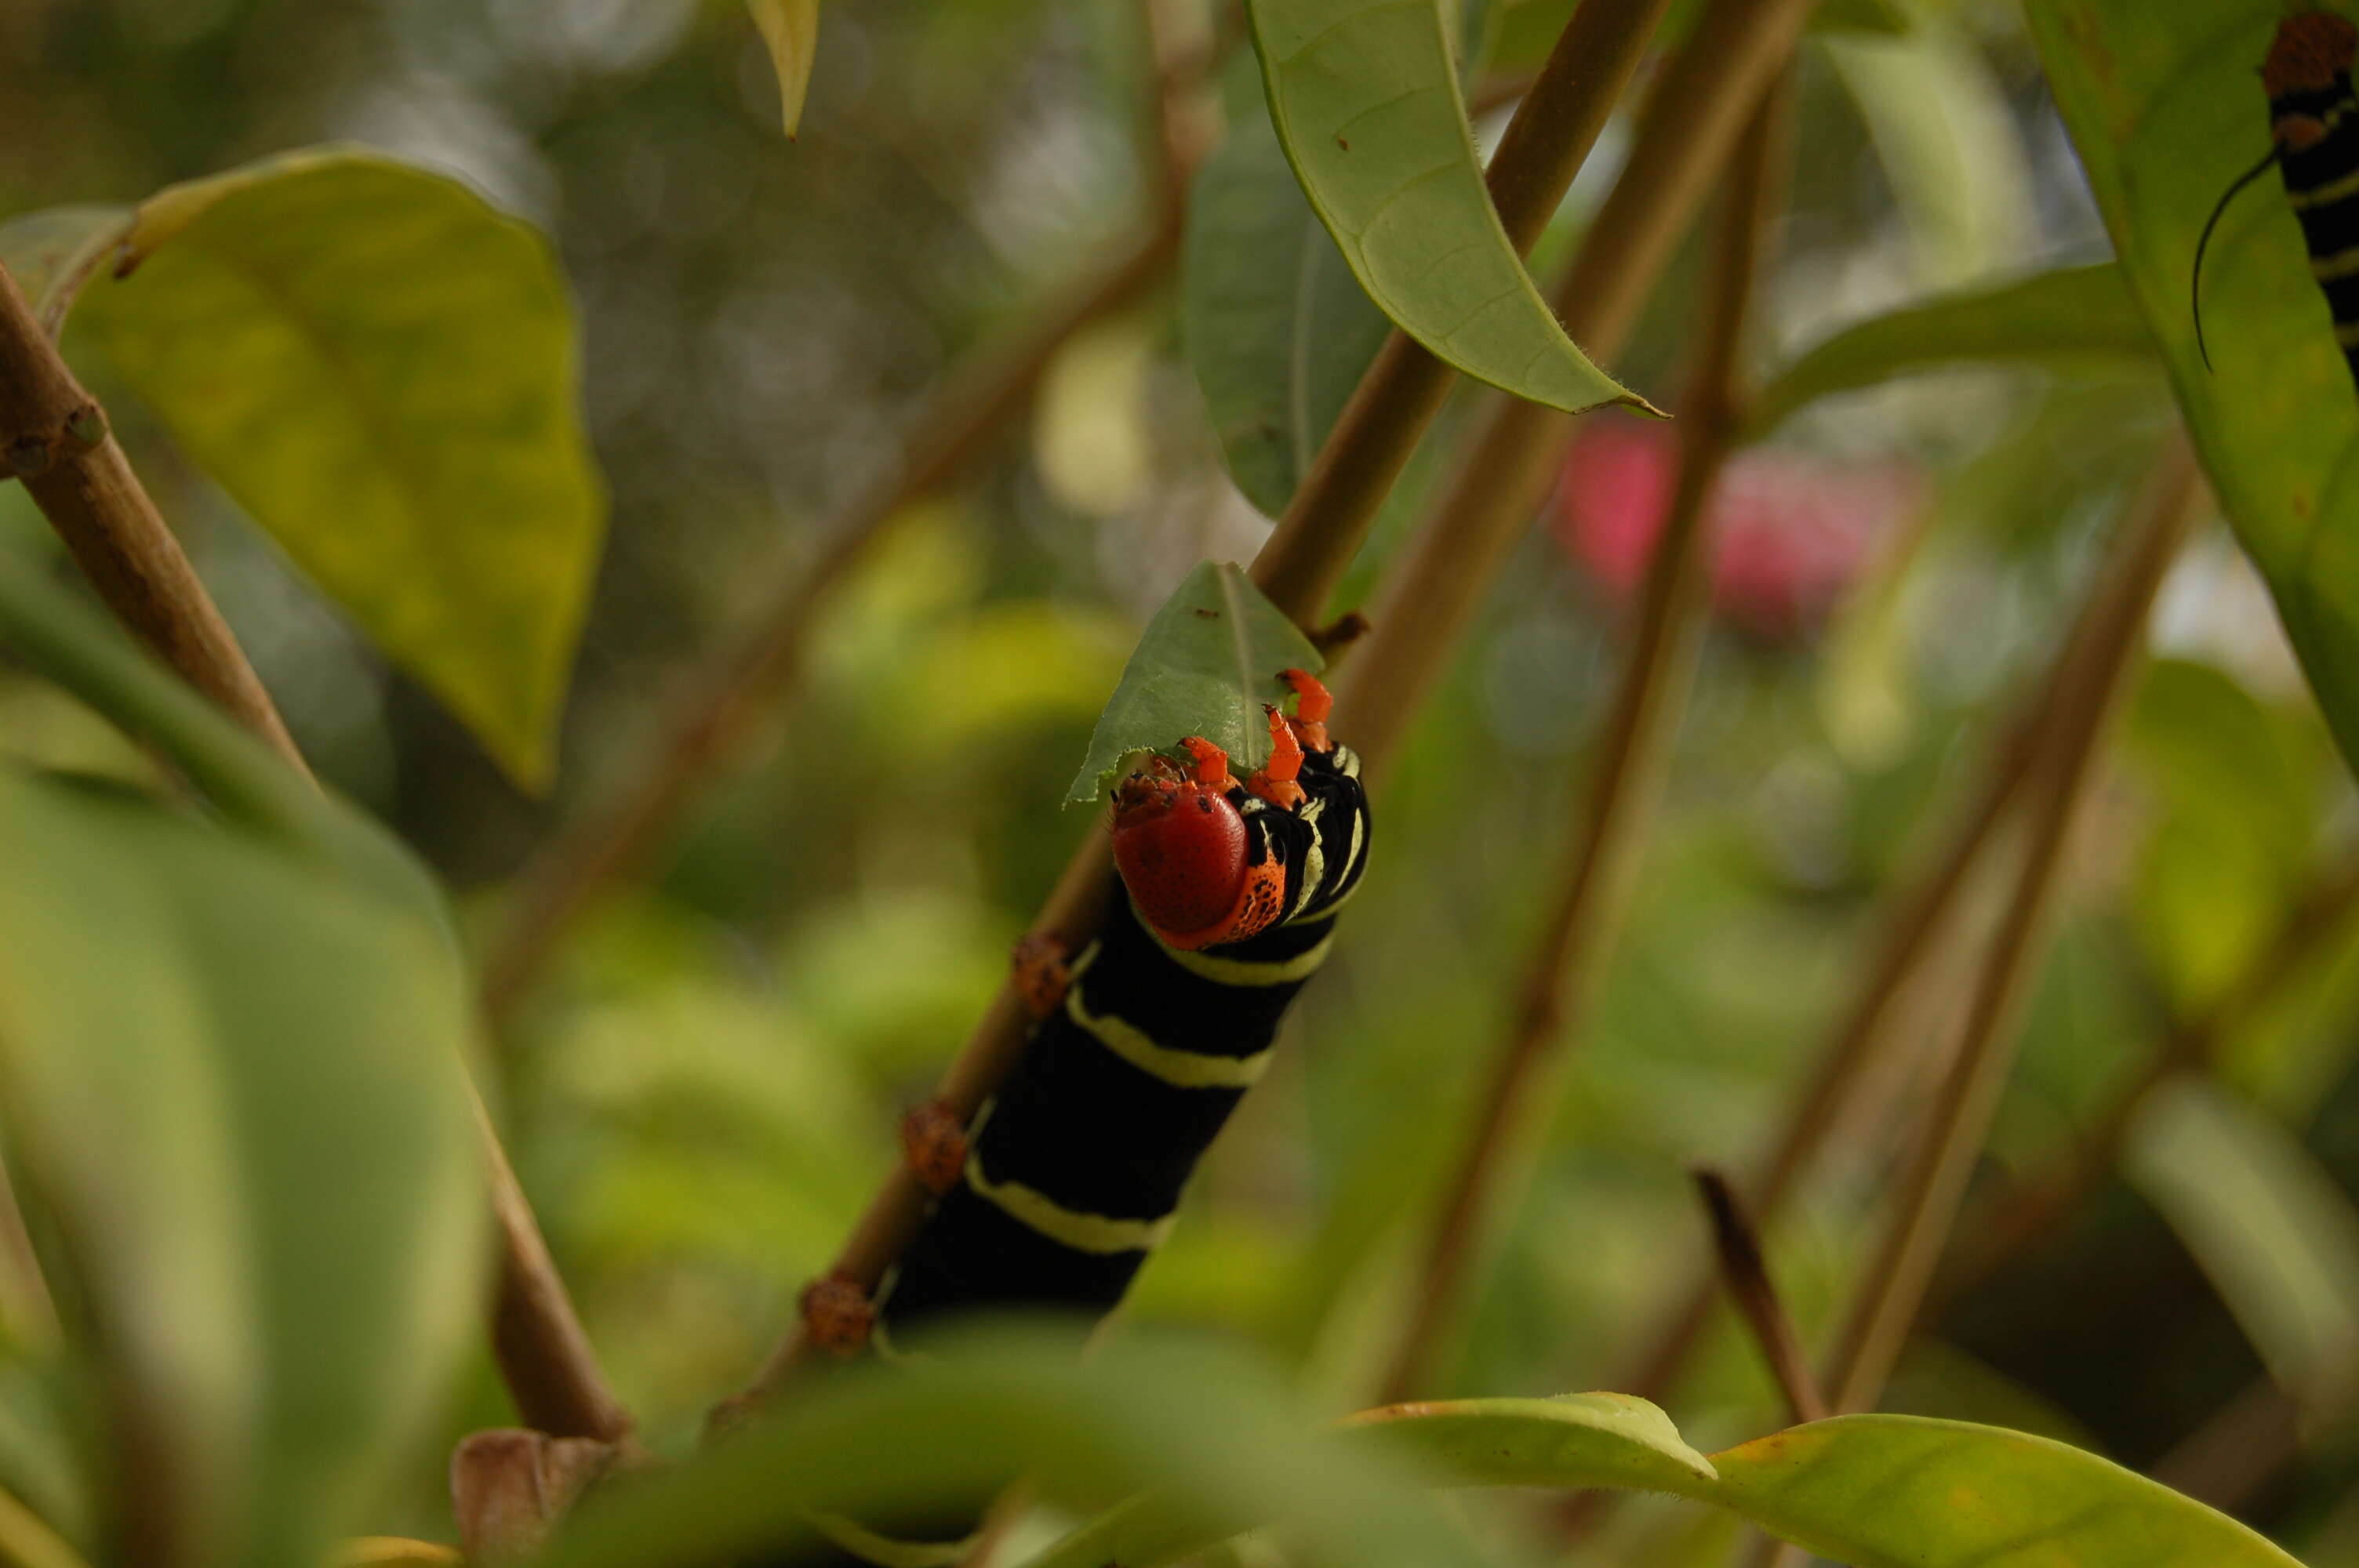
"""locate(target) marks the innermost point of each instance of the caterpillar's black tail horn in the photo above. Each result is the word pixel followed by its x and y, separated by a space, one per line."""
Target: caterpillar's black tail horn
pixel 2195 286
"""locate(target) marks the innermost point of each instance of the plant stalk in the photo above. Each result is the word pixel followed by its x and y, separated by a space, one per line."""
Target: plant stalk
pixel 1701 100
pixel 2007 1225
pixel 1614 812
pixel 1893 1285
pixel 1298 567
pixel 55 437
pixel 1745 1273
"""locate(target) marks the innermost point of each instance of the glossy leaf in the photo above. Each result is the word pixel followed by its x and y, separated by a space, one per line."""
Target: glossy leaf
pixel 383 371
pixel 1575 1439
pixel 2164 105
pixel 2074 314
pixel 1365 100
pixel 244 1110
pixel 1206 666
pixel 790 29
pixel 52 252
pixel 1891 1491
pixel 1278 330
pixel 2265 1223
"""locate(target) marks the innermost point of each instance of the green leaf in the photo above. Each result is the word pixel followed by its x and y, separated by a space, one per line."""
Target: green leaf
pixel 1366 102
pixel 1892 1491
pixel 383 371
pixel 253 787
pixel 1574 1440
pixel 2267 1224
pixel 52 252
pixel 2070 315
pixel 2166 110
pixel 1212 1438
pixel 1278 330
pixel 1206 664
pixel 244 1110
pixel 790 29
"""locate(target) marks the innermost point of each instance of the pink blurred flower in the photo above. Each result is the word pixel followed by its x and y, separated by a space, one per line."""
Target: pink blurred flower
pixel 1789 533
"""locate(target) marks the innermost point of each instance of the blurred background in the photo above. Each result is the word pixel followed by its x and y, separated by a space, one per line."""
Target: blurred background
pixel 701 1093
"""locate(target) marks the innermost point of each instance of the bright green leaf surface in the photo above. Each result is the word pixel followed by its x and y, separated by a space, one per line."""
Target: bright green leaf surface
pixel 1366 102
pixel 1206 666
pixel 2266 1224
pixel 2164 104
pixel 1276 328
pixel 790 29
pixel 245 1110
pixel 382 370
pixel 52 252
pixel 1576 1439
pixel 1890 1491
pixel 2074 313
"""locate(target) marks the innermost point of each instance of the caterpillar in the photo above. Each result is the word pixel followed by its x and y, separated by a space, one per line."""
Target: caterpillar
pixel 2314 143
pixel 1225 905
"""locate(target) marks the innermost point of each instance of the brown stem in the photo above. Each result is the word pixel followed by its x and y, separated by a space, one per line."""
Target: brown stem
pixel 1613 814
pixel 1747 1275
pixel 1298 567
pixel 55 437
pixel 1864 1035
pixel 1893 1285
pixel 2233 1454
pixel 2005 1226
pixel 1700 102
pixel 711 719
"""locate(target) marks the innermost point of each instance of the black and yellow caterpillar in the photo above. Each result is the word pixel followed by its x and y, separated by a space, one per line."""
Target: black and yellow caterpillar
pixel 2314 142
pixel 1055 1196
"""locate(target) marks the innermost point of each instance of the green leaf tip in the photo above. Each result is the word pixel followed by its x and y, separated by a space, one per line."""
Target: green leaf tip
pixel 1364 95
pixel 383 371
pixel 1207 665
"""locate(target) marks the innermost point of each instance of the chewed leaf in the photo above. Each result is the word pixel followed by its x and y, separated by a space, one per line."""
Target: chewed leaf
pixel 1206 664
pixel 1365 101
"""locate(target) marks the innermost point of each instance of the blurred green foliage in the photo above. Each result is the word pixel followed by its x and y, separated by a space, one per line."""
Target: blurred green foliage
pixel 702 1095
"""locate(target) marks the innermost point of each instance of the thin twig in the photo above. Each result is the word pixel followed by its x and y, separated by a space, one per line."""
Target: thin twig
pixel 1700 102
pixel 1893 1285
pixel 1298 567
pixel 1745 1273
pixel 2008 1225
pixel 2233 1454
pixel 55 437
pixel 1612 826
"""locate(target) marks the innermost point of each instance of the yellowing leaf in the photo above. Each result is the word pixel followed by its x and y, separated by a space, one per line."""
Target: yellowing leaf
pixel 383 371
pixel 791 29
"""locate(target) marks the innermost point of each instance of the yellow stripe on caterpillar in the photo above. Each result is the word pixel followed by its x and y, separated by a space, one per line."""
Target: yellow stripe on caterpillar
pixel 2341 265
pixel 1183 1069
pixel 1248 972
pixel 2325 195
pixel 1082 1232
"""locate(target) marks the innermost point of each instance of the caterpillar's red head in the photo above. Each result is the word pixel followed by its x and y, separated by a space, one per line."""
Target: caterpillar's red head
pixel 2308 53
pixel 1181 847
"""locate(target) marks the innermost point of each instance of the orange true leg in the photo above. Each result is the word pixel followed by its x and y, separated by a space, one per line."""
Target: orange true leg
pixel 1042 972
pixel 934 1137
pixel 837 1315
pixel 1312 704
pixel 1275 784
pixel 1211 770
